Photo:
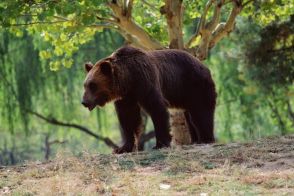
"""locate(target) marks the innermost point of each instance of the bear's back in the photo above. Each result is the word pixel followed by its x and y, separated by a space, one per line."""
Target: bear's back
pixel 176 72
pixel 128 52
pixel 167 61
pixel 174 57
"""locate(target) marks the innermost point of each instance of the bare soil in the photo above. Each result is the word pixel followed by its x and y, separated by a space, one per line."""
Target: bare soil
pixel 260 167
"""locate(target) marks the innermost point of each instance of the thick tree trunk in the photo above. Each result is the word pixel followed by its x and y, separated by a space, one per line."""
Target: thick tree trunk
pixel 179 128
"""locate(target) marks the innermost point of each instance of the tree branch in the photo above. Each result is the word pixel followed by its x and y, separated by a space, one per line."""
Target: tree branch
pixel 224 29
pixel 246 3
pixel 129 8
pixel 213 31
pixel 150 5
pixel 201 24
pixel 146 137
pixel 278 116
pixel 205 31
pixel 61 17
pixel 109 20
pixel 57 142
pixel 173 11
pixel 101 26
pixel 290 111
pixel 36 15
pixel 53 121
pixel 131 40
pixel 128 26
pixel 48 145
pixel 216 15
pixel 38 22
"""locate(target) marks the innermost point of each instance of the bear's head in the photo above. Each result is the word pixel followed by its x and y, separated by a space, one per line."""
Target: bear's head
pixel 98 85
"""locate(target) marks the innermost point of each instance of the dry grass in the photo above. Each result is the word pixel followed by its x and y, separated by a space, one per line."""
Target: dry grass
pixel 261 167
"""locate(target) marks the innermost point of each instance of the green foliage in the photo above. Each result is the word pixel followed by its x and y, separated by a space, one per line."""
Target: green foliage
pixel 151 19
pixel 254 92
pixel 21 87
pixel 265 12
pixel 268 67
pixel 27 84
pixel 268 58
pixel 63 26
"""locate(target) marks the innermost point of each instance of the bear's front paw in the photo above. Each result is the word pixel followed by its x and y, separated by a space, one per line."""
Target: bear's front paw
pixel 123 149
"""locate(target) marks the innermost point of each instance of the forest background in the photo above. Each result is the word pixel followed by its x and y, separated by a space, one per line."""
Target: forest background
pixel 44 44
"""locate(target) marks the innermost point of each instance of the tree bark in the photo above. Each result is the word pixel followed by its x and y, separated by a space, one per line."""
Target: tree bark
pixel 123 14
pixel 173 11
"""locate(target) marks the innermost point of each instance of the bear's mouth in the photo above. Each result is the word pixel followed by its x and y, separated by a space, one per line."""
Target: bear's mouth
pixel 88 105
pixel 91 107
pixel 102 100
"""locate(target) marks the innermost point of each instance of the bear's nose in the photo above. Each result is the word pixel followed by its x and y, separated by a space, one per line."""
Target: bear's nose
pixel 84 103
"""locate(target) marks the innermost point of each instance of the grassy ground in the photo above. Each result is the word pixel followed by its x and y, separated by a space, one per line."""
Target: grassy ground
pixel 262 167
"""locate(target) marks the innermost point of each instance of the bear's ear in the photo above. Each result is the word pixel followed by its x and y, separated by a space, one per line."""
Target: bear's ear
pixel 88 66
pixel 106 68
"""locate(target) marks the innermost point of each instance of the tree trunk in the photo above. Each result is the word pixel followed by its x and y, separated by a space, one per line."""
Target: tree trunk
pixel 179 128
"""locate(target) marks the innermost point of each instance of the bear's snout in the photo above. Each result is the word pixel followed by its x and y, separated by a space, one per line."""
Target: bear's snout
pixel 84 103
pixel 88 105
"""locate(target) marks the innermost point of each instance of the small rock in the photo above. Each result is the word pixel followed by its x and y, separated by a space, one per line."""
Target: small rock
pixel 5 190
pixel 164 186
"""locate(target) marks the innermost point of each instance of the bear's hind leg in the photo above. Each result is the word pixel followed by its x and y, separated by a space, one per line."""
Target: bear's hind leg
pixel 203 119
pixel 192 128
pixel 129 117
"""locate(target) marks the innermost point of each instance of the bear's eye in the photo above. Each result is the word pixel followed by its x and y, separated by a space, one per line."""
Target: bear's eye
pixel 92 86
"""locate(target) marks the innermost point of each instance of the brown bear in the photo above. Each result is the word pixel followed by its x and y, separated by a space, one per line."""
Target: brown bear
pixel 153 81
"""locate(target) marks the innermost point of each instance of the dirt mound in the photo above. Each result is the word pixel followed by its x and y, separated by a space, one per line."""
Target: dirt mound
pixel 264 166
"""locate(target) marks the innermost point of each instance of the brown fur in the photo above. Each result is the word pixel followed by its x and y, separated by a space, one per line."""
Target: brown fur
pixel 105 91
